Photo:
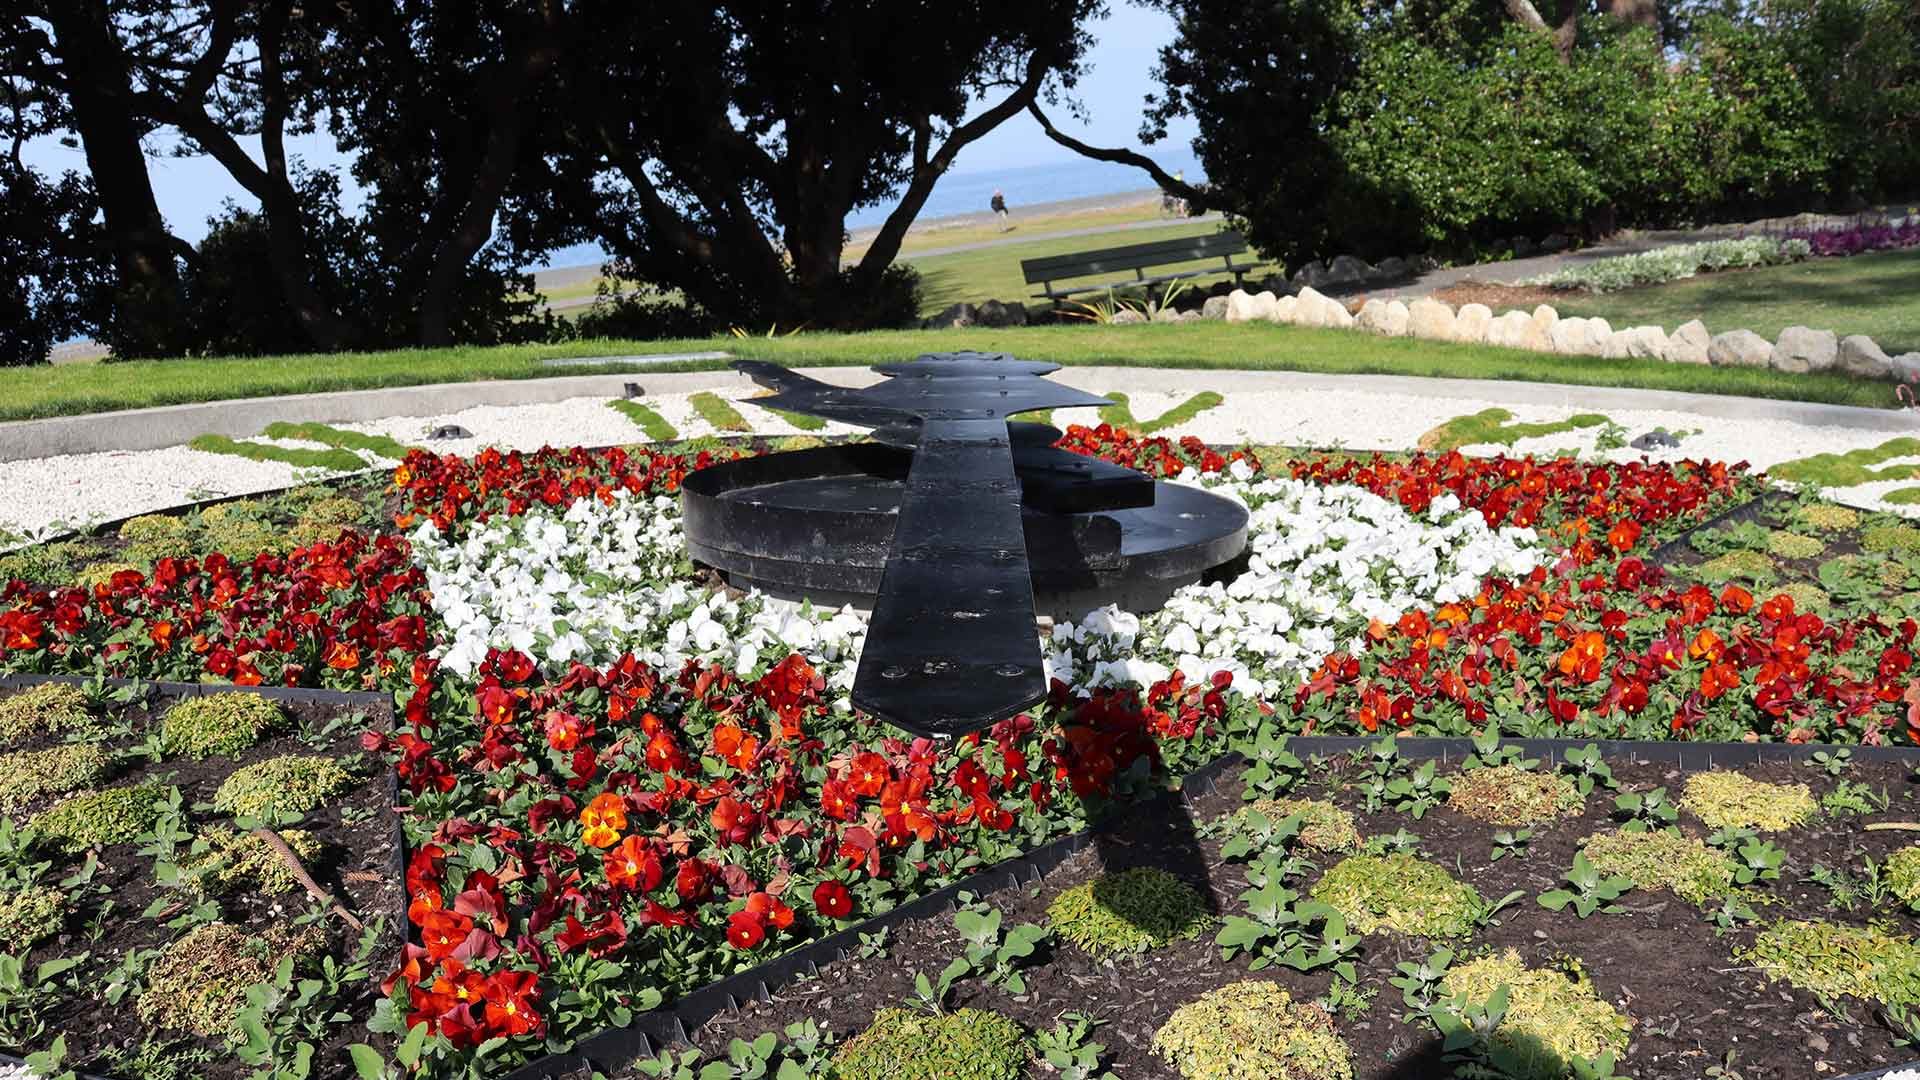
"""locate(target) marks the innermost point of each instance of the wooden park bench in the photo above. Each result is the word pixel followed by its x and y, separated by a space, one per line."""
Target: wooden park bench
pixel 1138 258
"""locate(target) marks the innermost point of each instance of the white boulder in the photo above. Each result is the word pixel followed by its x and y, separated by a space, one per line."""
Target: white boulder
pixel 1801 350
pixel 1470 324
pixel 1739 348
pixel 1430 319
pixel 1688 344
pixel 1860 356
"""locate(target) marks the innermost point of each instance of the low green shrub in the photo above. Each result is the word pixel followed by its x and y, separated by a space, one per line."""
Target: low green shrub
pixel 1253 1030
pixel 1835 960
pixel 233 530
pixel 1675 263
pixel 1662 859
pixel 152 537
pixel 98 818
pixel 227 723
pixel 1791 545
pixel 1324 827
pixel 1743 565
pixel 966 1044
pixel 1511 795
pixel 1729 800
pixel 47 709
pixel 94 575
pixel 1827 517
pixel 1552 1016
pixel 1400 893
pixel 31 774
pixel 199 982
pixel 1902 872
pixel 47 564
pixel 1891 539
pixel 1128 912
pixel 29 916
pixel 289 784
pixel 222 861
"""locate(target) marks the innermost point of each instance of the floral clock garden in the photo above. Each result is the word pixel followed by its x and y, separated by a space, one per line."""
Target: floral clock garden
pixel 447 774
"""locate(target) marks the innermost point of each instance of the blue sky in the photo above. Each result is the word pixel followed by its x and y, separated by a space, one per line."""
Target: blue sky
pixel 1126 47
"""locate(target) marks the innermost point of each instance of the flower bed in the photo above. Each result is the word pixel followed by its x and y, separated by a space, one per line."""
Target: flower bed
pixel 623 785
pixel 164 850
pixel 1625 973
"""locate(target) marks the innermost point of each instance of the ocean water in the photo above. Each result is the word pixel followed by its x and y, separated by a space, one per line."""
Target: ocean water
pixel 970 191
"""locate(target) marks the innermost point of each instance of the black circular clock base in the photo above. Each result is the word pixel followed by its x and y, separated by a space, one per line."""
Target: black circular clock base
pixel 818 524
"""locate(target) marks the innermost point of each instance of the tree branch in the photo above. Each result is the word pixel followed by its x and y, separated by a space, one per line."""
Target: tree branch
pixel 1524 13
pixel 886 243
pixel 1196 197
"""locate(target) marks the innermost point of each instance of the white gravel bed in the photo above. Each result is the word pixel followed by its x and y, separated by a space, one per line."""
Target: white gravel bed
pixel 78 489
pixel 584 421
pixel 37 494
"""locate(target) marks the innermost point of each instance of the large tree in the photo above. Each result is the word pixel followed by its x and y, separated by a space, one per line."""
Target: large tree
pixel 443 104
pixel 74 56
pixel 718 149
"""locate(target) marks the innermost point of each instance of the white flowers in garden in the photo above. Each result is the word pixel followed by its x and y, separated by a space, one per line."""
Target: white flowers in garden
pixel 1324 561
pixel 601 580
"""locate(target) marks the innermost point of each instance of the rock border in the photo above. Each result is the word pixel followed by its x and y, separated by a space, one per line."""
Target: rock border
pixel 1799 349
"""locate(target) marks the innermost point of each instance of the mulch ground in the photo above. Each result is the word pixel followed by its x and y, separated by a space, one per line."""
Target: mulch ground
pixel 1504 297
pixel 1660 961
pixel 359 867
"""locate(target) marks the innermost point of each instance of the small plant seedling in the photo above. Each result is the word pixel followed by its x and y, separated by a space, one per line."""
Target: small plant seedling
pixel 1488 753
pixel 873 946
pixel 1730 837
pixel 1590 891
pixel 1067 1051
pixel 1421 985
pixel 1647 812
pixel 1833 762
pixel 991 953
pixel 1389 843
pixel 1587 768
pixel 1258 834
pixel 1419 791
pixel 1731 913
pixel 1757 860
pixel 1272 770
pixel 1511 843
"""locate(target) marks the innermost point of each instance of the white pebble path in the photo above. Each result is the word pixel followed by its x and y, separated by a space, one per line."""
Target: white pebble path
pixel 46 494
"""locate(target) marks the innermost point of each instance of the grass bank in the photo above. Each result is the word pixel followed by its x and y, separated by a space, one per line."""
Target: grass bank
pixel 82 388
pixel 1026 226
pixel 1877 295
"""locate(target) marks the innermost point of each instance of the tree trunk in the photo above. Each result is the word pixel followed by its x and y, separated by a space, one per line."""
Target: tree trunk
pixel 508 116
pixel 148 300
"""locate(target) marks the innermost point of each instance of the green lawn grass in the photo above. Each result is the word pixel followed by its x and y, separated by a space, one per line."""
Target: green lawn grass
pixel 82 388
pixel 1877 295
pixel 995 272
pixel 927 236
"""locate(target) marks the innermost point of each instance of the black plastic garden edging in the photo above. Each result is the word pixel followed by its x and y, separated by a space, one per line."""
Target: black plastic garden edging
pixel 615 1048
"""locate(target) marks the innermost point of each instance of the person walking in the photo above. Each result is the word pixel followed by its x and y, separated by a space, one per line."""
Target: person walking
pixel 999 205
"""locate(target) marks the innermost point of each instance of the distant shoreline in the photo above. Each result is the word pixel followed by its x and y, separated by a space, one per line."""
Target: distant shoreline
pixel 561 276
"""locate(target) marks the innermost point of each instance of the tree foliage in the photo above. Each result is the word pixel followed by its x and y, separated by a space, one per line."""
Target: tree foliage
pixel 1384 128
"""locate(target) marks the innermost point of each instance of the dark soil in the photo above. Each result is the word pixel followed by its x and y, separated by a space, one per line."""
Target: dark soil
pixel 1503 297
pixel 360 868
pixel 1660 961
